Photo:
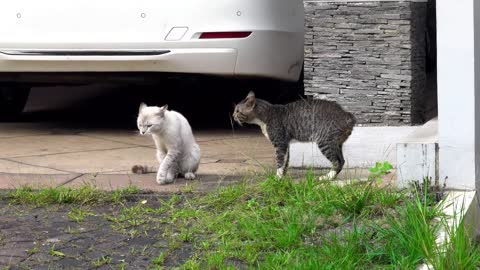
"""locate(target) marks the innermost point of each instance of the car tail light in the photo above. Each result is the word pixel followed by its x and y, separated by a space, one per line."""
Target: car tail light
pixel 214 35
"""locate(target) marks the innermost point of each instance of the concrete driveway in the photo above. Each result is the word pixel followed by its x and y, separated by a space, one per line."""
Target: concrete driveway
pixel 41 154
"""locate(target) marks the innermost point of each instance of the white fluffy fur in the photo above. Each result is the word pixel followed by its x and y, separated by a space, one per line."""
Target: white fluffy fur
pixel 177 151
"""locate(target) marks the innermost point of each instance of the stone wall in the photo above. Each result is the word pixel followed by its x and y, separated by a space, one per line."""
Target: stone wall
pixel 368 56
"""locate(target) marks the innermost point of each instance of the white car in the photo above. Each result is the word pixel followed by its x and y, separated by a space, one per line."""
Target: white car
pixel 237 38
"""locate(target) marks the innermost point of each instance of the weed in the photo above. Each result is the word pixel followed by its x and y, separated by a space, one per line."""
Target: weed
pixel 78 215
pixel 104 260
pixel 379 170
pixel 160 259
pixel 118 196
pixel 433 192
pixel 55 253
pixel 32 251
pixel 191 264
pixel 173 244
pixel 122 266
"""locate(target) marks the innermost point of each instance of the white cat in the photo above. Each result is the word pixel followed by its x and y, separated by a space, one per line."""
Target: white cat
pixel 177 151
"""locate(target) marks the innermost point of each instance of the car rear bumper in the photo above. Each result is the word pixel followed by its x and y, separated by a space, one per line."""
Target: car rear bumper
pixel 269 54
pixel 220 61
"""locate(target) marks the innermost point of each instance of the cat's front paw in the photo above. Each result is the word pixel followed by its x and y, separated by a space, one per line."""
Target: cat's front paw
pixel 164 180
pixel 280 173
pixel 189 176
pixel 329 176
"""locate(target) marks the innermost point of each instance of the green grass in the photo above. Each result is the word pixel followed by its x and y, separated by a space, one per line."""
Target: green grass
pixel 62 195
pixel 56 253
pixel 160 259
pixel 292 225
pixel 104 260
pixel 286 224
pixel 458 251
pixel 78 214
pixel 271 223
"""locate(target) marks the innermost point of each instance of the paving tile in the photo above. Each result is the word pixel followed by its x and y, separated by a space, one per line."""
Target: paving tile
pixel 128 137
pixel 11 181
pixel 229 169
pixel 215 135
pixel 52 144
pixel 255 147
pixel 346 176
pixel 134 138
pixel 10 130
pixel 96 162
pixel 105 161
pixel 7 166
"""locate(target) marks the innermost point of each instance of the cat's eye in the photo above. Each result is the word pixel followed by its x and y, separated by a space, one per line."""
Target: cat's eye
pixel 149 126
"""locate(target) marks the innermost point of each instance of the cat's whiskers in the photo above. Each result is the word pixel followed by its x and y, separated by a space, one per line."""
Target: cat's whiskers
pixel 232 124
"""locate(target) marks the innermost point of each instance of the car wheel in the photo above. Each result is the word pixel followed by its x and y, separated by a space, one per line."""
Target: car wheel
pixel 12 101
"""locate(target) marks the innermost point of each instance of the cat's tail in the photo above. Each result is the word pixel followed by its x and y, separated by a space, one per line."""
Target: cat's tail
pixel 142 169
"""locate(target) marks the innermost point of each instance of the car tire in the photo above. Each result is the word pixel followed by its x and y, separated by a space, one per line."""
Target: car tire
pixel 12 101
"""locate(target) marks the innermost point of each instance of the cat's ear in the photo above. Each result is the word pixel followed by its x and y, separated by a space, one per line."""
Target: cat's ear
pixel 161 110
pixel 142 106
pixel 164 108
pixel 250 100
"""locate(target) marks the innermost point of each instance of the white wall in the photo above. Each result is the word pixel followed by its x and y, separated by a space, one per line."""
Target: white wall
pixel 456 92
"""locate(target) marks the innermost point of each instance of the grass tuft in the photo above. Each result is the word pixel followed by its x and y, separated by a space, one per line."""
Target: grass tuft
pixel 84 195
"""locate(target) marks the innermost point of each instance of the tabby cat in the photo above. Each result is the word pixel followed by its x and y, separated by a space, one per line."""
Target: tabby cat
pixel 320 121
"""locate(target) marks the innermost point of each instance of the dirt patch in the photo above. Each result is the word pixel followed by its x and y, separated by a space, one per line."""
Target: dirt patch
pixel 52 237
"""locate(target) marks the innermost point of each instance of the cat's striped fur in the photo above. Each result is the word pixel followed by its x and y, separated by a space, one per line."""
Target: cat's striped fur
pixel 323 122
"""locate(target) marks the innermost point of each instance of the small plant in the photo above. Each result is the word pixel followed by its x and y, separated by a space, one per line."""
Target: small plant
pixel 104 260
pixel 432 192
pixel 160 259
pixel 32 251
pixel 118 196
pixel 185 235
pixel 78 215
pixel 122 266
pixel 191 264
pixel 55 253
pixel 379 170
pixel 188 188
pixel 174 243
